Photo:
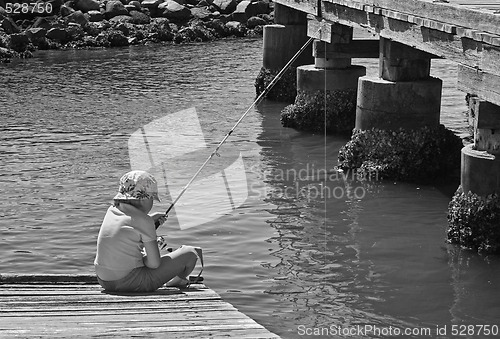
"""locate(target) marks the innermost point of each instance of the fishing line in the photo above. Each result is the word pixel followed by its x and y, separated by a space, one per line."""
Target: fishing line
pixel 325 164
pixel 256 101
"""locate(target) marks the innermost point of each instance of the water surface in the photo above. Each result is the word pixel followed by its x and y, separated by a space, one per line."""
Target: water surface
pixel 367 253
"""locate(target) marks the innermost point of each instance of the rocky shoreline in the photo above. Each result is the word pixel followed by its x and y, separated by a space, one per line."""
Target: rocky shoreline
pixel 52 24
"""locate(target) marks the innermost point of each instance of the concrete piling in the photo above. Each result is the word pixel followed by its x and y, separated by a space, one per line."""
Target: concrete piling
pixel 474 212
pixel 326 90
pixel 280 43
pixel 397 132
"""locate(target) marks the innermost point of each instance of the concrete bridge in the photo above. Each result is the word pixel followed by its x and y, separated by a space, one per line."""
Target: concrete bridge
pixel 404 95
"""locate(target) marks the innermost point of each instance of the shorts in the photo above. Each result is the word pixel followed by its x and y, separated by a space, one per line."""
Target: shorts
pixel 140 279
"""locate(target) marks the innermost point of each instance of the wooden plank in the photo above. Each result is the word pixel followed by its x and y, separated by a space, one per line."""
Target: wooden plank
pixel 444 12
pixel 53 308
pixel 487 115
pixel 490 57
pixel 228 313
pixel 319 29
pixel 157 307
pixel 308 6
pixel 441 44
pixel 358 48
pixel 98 299
pixel 199 290
pixel 66 279
pixel 485 85
pixel 180 334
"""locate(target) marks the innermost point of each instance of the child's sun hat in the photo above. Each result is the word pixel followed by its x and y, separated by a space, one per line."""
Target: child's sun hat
pixel 137 185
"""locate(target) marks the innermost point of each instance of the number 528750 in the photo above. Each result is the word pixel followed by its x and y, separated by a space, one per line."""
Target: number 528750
pixel 25 8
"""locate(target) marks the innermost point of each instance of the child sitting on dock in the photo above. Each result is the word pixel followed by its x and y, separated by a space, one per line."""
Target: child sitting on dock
pixel 128 258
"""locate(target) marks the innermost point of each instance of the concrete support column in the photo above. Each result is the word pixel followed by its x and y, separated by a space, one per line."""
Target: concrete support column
pixel 339 72
pixel 280 43
pixel 397 133
pixel 474 212
pixel 404 96
pixel 481 161
pixel 326 90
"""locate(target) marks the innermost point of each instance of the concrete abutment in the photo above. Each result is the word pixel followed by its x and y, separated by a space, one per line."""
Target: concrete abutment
pixel 474 212
pixel 397 132
pixel 281 42
pixel 327 89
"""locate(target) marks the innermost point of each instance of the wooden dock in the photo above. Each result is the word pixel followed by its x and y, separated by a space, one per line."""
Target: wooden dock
pixel 76 306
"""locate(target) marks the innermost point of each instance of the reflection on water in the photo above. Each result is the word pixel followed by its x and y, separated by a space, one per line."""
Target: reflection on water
pixel 310 247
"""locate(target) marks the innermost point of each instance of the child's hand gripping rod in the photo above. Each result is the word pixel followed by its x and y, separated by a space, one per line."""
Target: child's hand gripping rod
pixel 256 101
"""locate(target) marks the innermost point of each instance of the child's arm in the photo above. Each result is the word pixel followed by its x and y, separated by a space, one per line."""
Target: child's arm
pixel 152 257
pixel 158 218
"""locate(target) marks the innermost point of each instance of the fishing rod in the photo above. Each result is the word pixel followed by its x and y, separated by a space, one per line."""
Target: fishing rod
pixel 256 101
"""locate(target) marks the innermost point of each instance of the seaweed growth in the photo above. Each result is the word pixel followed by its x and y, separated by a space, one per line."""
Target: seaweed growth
pixel 422 155
pixel 308 111
pixel 284 90
pixel 473 221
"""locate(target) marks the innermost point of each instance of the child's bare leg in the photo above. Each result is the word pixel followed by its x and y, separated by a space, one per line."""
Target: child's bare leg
pixel 180 262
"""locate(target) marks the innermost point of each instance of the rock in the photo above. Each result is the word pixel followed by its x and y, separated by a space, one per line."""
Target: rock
pixel 114 8
pixel 19 42
pixel 161 30
pixel 9 26
pixel 95 16
pixel 56 5
pixel 257 8
pixel 235 28
pixel 57 34
pixel 41 22
pixel 125 28
pixel 173 27
pixel 174 11
pixel 35 34
pixel 152 6
pixel 247 9
pixel 239 13
pixel 66 10
pixel 225 6
pixel 218 27
pixel 139 18
pixel 151 3
pixel 87 5
pixel 94 28
pixel 77 17
pixel 75 31
pixel 255 21
pixel 37 37
pixel 121 19
pixel 201 13
pixel 267 17
pixel 6 54
pixel 4 39
pixel 136 4
pixel 195 32
pixel 117 39
pixel 130 8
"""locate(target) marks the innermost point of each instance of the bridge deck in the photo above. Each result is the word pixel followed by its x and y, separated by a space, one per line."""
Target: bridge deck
pixel 463 31
pixel 482 5
pixel 67 306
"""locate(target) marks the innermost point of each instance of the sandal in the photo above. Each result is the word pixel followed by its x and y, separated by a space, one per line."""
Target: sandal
pixel 178 282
